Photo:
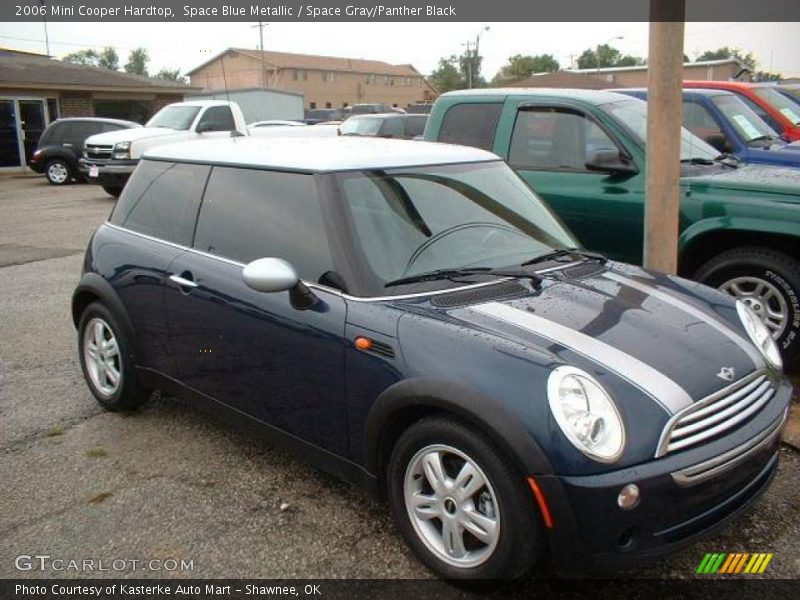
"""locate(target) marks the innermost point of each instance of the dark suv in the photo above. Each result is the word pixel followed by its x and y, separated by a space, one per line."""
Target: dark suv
pixel 61 145
pixel 411 317
pixel 390 125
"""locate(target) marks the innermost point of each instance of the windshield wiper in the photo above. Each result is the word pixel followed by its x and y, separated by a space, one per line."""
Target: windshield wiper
pixel 763 138
pixel 729 160
pixel 696 160
pixel 555 254
pixel 451 273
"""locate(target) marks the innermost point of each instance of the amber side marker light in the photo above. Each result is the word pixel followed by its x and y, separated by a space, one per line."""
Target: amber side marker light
pixel 363 343
pixel 542 502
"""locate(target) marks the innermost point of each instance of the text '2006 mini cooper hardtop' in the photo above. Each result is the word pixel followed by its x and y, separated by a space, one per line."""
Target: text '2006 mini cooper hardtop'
pixel 412 317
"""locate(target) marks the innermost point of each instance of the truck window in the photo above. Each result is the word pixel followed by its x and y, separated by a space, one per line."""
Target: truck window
pixel 699 121
pixel 471 124
pixel 220 118
pixel 248 214
pixel 161 200
pixel 555 139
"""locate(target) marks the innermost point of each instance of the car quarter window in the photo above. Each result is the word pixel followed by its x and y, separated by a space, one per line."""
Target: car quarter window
pixel 415 125
pixel 393 127
pixel 471 124
pixel 248 214
pixel 161 200
pixel 550 138
pixel 218 118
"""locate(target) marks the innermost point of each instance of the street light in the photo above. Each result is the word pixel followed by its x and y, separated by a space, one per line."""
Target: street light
pixel 597 52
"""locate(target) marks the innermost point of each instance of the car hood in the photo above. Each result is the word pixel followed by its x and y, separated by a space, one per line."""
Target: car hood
pixel 649 329
pixel 752 178
pixel 130 135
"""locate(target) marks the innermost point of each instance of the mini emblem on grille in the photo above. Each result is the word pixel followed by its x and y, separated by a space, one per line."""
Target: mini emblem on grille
pixel 726 373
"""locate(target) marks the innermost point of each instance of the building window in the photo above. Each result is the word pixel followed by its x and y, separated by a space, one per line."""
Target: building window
pixel 299 74
pixel 345 105
pixel 328 105
pixel 328 76
pixel 419 81
pixel 387 80
pixel 312 105
pixel 372 79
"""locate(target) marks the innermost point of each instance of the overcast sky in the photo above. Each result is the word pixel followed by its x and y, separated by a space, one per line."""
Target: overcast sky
pixel 186 45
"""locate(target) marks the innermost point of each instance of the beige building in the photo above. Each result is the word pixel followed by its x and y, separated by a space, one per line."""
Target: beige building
pixel 324 81
pixel 714 70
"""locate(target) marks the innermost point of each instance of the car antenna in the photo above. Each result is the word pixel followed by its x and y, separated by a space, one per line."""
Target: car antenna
pixel 224 78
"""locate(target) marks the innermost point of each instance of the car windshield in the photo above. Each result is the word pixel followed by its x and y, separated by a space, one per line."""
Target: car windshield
pixel 416 220
pixel 356 126
pixel 746 122
pixel 785 106
pixel 632 115
pixel 174 117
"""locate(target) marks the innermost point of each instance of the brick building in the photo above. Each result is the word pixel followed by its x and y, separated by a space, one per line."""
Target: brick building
pixel 36 89
pixel 715 70
pixel 324 81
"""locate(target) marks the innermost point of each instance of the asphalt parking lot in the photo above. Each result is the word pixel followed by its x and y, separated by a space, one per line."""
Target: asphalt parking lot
pixel 171 483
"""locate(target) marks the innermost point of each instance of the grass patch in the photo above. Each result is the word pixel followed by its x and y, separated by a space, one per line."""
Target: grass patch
pixel 95 453
pixel 99 497
pixel 54 432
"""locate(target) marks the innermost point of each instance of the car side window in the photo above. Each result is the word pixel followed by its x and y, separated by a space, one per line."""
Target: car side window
pixel 248 214
pixel 471 124
pixel 393 127
pixel 161 200
pixel 555 139
pixel 218 118
pixel 415 125
pixel 698 120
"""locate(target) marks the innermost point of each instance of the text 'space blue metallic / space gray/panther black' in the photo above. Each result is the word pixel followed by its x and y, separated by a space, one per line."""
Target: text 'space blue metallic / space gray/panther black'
pixel 413 318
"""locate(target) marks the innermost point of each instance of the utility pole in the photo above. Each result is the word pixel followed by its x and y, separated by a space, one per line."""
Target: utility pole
pixel 46 36
pixel 664 99
pixel 261 47
pixel 469 65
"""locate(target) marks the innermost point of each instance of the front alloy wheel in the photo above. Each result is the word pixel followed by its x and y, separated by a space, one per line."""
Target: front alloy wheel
pixel 765 300
pixel 452 506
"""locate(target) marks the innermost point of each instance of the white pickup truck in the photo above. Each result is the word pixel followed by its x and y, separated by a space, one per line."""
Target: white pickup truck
pixel 110 158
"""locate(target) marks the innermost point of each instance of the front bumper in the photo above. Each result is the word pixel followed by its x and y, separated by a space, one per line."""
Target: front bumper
pixel 108 172
pixel 683 497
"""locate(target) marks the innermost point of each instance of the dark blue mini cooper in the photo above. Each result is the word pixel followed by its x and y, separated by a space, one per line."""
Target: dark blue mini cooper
pixel 411 317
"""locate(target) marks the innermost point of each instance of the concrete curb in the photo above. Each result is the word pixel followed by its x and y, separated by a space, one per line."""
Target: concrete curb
pixel 791 432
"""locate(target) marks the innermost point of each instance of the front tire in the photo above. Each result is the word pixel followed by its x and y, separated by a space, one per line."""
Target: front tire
pixel 769 282
pixel 113 190
pixel 459 503
pixel 107 360
pixel 57 172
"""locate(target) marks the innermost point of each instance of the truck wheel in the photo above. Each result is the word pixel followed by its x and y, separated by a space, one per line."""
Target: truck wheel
pixel 768 281
pixel 461 506
pixel 57 172
pixel 107 360
pixel 113 190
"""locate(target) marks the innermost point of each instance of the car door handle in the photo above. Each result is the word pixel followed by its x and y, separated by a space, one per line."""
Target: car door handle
pixel 182 282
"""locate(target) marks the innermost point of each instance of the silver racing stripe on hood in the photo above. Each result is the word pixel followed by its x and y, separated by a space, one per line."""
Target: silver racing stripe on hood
pixel 712 321
pixel 651 381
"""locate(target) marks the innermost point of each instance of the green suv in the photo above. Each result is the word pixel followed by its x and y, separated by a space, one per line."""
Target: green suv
pixel 584 151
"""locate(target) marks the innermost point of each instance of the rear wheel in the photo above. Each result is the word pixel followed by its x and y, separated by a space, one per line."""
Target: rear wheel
pixel 57 172
pixel 461 506
pixel 768 281
pixel 107 360
pixel 113 190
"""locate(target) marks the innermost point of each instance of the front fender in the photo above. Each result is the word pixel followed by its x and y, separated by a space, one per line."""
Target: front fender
pixel 463 402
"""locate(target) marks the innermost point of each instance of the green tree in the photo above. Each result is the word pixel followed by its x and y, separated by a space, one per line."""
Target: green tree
pixel 470 65
pixel 137 61
pixel 607 56
pixel 82 57
pixel 171 75
pixel 448 75
pixel 521 66
pixel 108 59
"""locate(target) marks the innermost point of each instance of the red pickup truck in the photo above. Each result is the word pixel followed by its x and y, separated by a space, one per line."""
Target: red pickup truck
pixel 777 110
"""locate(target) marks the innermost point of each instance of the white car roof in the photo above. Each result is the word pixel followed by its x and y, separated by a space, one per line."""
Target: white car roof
pixel 318 154
pixel 202 103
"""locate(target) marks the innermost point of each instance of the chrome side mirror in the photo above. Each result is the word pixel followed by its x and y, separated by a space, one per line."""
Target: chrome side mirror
pixel 276 275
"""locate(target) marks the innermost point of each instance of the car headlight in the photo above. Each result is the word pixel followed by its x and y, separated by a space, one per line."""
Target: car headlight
pixel 122 150
pixel 760 335
pixel 586 414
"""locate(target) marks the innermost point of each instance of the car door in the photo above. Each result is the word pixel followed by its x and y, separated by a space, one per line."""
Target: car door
pixel 219 121
pixel 549 146
pixel 250 350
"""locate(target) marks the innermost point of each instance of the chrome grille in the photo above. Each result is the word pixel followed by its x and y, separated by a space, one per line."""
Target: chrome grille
pixel 98 151
pixel 717 414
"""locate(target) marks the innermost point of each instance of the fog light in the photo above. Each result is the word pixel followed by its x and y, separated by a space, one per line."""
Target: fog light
pixel 628 496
